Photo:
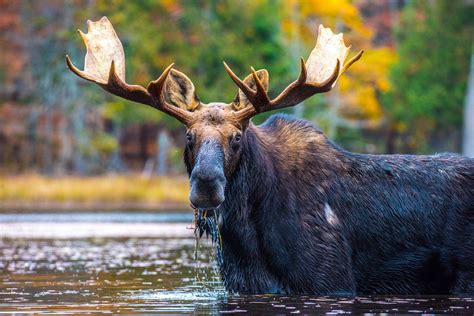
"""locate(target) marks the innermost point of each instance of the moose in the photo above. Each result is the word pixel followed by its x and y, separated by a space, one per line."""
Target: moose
pixel 296 213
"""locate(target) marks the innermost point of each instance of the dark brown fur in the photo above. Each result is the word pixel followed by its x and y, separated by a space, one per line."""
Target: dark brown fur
pixel 397 224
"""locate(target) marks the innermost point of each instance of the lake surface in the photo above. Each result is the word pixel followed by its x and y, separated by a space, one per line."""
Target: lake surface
pixel 146 263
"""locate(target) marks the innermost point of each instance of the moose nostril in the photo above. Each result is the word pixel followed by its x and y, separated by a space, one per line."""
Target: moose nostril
pixel 203 177
pixel 209 176
pixel 208 173
pixel 206 194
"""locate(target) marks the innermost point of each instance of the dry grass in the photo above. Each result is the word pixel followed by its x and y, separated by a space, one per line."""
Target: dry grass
pixel 104 189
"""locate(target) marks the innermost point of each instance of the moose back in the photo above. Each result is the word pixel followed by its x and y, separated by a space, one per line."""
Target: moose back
pixel 296 213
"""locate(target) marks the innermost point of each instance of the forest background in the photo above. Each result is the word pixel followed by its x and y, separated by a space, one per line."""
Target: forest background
pixel 64 143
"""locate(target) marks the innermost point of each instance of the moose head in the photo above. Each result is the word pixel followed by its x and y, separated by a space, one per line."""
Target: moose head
pixel 215 131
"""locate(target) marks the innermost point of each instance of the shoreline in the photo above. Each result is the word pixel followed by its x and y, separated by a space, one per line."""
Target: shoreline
pixel 60 207
pixel 108 193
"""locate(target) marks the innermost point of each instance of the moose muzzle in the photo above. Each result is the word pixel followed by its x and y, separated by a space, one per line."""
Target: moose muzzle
pixel 207 177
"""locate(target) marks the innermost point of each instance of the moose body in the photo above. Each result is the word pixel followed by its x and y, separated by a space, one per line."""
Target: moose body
pixel 303 216
pixel 298 214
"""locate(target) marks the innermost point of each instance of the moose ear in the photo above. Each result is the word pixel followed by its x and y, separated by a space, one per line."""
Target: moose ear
pixel 241 100
pixel 179 91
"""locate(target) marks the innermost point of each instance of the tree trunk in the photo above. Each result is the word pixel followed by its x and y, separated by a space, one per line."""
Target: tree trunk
pixel 468 142
pixel 116 163
pixel 163 146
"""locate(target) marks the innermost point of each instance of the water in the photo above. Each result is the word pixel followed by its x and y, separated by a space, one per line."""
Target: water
pixel 144 263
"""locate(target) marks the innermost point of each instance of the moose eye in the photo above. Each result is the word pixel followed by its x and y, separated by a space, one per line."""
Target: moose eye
pixel 237 137
pixel 189 138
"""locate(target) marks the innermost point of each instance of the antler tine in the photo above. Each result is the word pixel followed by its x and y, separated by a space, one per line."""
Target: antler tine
pixel 317 75
pixel 352 60
pixel 261 96
pixel 105 66
pixel 303 72
pixel 242 85
pixel 79 72
pixel 155 87
pixel 117 86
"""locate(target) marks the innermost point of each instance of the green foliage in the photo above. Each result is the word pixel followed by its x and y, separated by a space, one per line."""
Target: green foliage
pixel 429 81
pixel 424 102
pixel 197 36
pixel 104 143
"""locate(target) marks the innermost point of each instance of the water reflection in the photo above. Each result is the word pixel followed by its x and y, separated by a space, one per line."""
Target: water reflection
pixel 61 273
pixel 104 273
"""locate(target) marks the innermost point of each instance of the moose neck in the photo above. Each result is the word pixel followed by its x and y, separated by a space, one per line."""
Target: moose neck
pixel 275 176
pixel 245 194
pixel 275 163
pixel 254 176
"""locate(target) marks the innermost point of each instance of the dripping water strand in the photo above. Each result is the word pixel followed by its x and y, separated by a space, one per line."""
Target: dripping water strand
pixel 206 222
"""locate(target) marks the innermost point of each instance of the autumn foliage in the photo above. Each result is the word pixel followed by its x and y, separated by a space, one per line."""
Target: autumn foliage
pixel 68 126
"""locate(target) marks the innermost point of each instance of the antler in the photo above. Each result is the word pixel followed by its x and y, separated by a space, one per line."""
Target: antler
pixel 105 66
pixel 319 74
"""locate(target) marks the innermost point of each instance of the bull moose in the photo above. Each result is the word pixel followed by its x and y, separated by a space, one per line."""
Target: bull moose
pixel 298 214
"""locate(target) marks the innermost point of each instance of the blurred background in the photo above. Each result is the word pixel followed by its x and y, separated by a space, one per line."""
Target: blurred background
pixel 66 144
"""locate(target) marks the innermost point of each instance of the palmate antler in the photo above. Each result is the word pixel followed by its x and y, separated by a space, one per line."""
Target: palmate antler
pixel 105 66
pixel 319 74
